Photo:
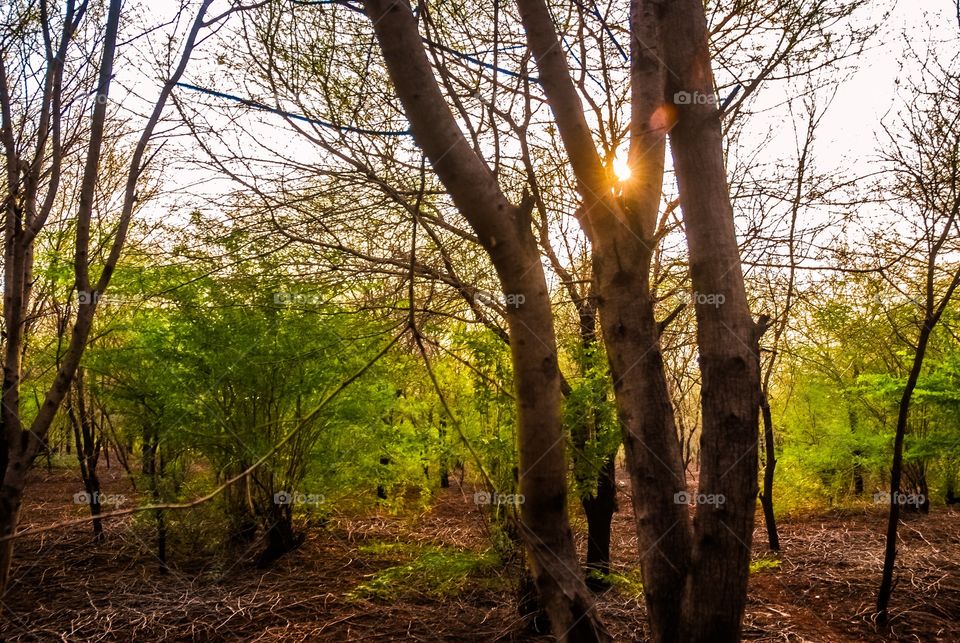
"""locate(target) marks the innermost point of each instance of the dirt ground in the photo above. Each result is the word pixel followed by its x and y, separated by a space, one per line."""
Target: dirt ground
pixel 821 587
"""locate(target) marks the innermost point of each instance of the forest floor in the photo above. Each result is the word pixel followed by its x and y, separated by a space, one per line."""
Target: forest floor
pixel 427 576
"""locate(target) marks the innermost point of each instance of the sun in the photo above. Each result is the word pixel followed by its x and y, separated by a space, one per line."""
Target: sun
pixel 621 168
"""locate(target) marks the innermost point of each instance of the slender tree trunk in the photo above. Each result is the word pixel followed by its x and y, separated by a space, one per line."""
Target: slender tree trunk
pixel 444 455
pixel 88 449
pixel 599 510
pixel 857 454
pixel 896 471
pixel 769 467
pixel 153 468
pixel 600 505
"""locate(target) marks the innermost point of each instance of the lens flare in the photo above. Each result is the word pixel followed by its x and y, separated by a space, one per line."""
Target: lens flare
pixel 621 168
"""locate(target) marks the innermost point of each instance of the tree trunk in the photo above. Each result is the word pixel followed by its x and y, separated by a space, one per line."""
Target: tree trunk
pixel 716 590
pixel 153 468
pixel 769 466
pixel 504 232
pixel 652 449
pixel 280 535
pixel 10 503
pixel 622 241
pixel 896 469
pixel 381 489
pixel 444 456
pixel 599 510
pixel 88 448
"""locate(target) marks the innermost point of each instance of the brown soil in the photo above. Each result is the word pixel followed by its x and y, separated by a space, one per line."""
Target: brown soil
pixel 67 588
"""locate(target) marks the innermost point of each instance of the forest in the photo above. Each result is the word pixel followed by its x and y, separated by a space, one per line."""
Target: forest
pixel 573 320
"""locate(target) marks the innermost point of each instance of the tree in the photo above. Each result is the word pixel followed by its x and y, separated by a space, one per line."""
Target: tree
pixel 46 127
pixel 695 580
pixel 504 231
pixel 924 158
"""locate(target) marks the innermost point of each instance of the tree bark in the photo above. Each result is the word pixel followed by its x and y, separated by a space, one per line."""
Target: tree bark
pixel 504 231
pixel 716 590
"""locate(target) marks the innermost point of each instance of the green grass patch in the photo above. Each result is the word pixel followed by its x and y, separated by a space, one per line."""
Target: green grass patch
pixel 764 564
pixel 426 570
pixel 629 582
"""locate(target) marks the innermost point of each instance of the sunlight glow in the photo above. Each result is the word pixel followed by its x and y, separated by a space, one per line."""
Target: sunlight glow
pixel 621 169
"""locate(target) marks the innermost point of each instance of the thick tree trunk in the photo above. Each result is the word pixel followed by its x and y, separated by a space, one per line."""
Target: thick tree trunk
pixel 505 233
pixel 716 590
pixel 653 454
pixel 543 468
pixel 280 535
pixel 622 238
pixel 10 503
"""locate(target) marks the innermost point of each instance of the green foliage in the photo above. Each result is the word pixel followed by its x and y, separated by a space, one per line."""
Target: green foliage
pixel 219 368
pixel 487 409
pixel 838 401
pixel 591 417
